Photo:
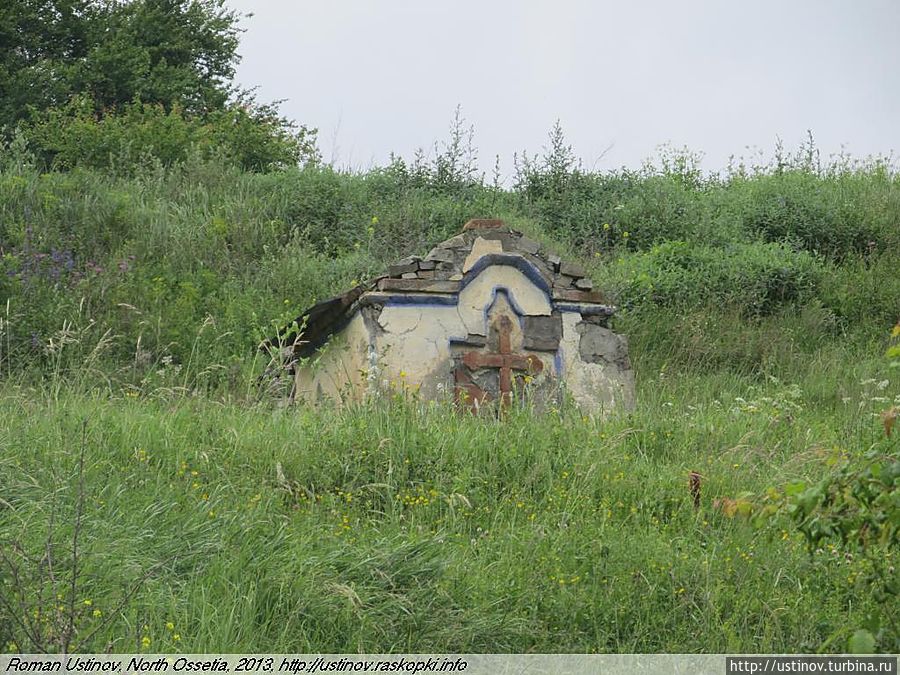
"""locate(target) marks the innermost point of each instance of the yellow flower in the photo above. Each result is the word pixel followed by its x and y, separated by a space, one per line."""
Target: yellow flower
pixel 88 602
pixel 145 641
pixel 97 613
pixel 374 220
pixel 176 637
pixel 170 625
pixel 625 235
pixel 402 373
pixel 605 226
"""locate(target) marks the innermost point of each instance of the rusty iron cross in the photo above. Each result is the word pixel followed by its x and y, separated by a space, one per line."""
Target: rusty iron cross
pixel 504 360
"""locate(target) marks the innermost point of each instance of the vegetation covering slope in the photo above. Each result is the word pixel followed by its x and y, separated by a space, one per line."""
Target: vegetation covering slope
pixel 155 494
pixel 209 518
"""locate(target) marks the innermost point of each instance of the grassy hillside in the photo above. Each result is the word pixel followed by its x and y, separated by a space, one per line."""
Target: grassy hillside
pixel 206 517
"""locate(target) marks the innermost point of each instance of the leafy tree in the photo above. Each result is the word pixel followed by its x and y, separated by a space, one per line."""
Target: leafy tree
pixel 113 82
pixel 249 135
pixel 42 44
pixel 172 52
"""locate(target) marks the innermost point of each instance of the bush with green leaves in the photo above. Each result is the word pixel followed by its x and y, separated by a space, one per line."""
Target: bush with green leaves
pixel 251 136
pixel 837 215
pixel 176 53
pixel 756 278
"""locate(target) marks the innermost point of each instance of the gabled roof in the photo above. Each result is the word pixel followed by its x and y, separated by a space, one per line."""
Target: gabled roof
pixel 444 272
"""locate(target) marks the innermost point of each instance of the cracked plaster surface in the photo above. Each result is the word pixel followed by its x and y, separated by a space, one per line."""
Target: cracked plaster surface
pixel 479 293
pixel 480 248
pixel 340 369
pixel 592 385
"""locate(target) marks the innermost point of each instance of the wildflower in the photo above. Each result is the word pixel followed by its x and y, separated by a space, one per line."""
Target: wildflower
pixel 145 641
pixel 176 637
pixel 170 626
pixel 97 613
pixel 88 602
pixel 374 220
pixel 625 235
pixel 606 226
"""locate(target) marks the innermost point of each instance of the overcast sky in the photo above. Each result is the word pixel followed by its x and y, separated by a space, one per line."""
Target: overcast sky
pixel 376 76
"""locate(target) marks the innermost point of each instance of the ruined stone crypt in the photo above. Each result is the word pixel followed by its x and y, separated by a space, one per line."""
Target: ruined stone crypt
pixel 486 317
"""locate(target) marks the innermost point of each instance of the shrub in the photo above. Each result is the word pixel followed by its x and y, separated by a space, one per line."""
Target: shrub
pixel 251 136
pixel 756 278
pixel 839 214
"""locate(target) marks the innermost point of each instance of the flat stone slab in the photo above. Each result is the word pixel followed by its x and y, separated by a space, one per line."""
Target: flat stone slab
pixel 571 269
pixel 480 248
pixel 526 245
pixel 483 224
pixel 441 255
pixel 419 285
pixel 543 333
pixel 402 268
pixel 577 296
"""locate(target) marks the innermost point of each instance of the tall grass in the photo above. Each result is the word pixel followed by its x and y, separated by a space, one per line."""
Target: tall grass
pixel 400 526
pixel 212 519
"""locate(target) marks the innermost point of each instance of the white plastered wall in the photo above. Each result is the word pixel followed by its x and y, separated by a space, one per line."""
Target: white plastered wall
pixel 339 371
pixel 595 387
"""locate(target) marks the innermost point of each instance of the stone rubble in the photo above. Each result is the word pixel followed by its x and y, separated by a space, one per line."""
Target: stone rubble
pixel 449 260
